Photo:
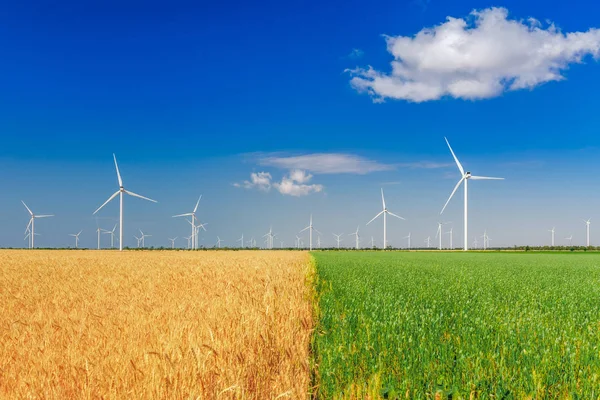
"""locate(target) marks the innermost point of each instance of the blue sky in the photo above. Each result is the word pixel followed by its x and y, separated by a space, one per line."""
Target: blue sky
pixel 194 97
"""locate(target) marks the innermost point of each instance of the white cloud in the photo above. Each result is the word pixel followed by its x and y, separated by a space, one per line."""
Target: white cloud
pixel 477 57
pixel 259 180
pixel 296 184
pixel 325 163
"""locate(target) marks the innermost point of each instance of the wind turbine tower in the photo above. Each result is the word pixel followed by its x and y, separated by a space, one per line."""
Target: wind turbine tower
pixel 385 212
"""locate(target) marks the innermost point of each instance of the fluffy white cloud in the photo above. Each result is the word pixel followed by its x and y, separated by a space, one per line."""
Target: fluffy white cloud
pixel 296 184
pixel 477 57
pixel 325 163
pixel 259 180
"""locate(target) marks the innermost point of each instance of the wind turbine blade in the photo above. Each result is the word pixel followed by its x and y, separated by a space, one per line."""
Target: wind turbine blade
pixel 183 215
pixel 107 201
pixel 315 231
pixel 30 213
pixel 382 199
pixel 481 178
pixel 374 218
pixel 141 197
pixel 118 173
pixel 308 227
pixel 452 194
pixel 198 202
pixel 394 215
pixel 44 216
pixel 462 171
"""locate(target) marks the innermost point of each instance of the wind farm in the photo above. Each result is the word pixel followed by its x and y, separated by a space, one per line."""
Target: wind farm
pixel 331 253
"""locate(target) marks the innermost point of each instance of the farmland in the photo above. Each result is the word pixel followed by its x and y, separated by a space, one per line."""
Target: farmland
pixel 102 324
pixel 427 325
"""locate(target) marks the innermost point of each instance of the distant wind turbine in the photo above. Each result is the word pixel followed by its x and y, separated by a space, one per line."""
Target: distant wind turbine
pixel 139 240
pixel 385 212
pixel 465 176
pixel 338 238
pixel 408 237
pixel 241 240
pixel 173 242
pixel 428 241
pixel 552 231
pixel 372 242
pixel 76 236
pixel 587 231
pixel 189 240
pixel 570 239
pixel 31 224
pixel 219 242
pixel 450 233
pixel 475 243
pixel 193 222
pixel 357 236
pixel 310 229
pixel 112 235
pixel 144 236
pixel 438 234
pixel 120 193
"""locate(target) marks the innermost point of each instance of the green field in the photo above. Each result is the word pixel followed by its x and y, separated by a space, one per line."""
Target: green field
pixel 429 325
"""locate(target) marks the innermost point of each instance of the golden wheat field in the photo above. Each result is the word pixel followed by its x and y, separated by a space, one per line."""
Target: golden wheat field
pixel 155 324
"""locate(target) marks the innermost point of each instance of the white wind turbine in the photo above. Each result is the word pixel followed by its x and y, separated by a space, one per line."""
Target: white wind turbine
pixel 189 240
pixel 112 235
pixel 570 239
pixel 587 231
pixel 438 233
pixel 552 231
pixel 407 237
pixel 298 239
pixel 310 229
pixel 76 236
pixel 486 240
pixel 450 233
pixel 139 240
pixel 219 242
pixel 28 236
pixel 385 212
pixel 173 242
pixel 31 224
pixel 318 242
pixel 338 238
pixel 428 241
pixel 98 230
pixel 475 243
pixel 241 240
pixel 372 242
pixel 120 193
pixel 193 222
pixel 357 236
pixel 144 236
pixel 465 176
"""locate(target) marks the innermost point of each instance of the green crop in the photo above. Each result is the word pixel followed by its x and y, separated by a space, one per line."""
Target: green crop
pixel 456 325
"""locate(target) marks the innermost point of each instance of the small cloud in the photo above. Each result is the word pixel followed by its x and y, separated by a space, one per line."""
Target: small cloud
pixel 295 184
pixel 259 180
pixel 325 163
pixel 478 57
pixel 355 53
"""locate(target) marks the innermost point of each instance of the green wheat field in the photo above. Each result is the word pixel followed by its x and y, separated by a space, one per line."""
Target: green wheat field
pixel 455 325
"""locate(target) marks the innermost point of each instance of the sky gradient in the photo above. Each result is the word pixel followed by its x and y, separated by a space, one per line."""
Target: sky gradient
pixel 195 97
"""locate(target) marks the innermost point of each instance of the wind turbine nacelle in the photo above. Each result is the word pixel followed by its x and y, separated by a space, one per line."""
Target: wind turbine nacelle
pixel 468 174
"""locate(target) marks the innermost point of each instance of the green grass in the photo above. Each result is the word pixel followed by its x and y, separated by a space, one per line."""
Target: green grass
pixel 489 326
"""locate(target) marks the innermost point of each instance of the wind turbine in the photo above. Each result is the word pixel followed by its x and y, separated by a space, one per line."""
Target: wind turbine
pixel 587 231
pixel 357 236
pixel 31 224
pixel 173 242
pixel 76 236
pixel 407 237
pixel 189 240
pixel 486 240
pixel 450 233
pixel 193 222
pixel 385 212
pixel 428 241
pixel 112 235
pixel 475 243
pixel 297 241
pixel 570 239
pixel 270 236
pixel 99 231
pixel 552 231
pixel 372 242
pixel 338 238
pixel 144 236
pixel 219 242
pixel 281 244
pixel 318 242
pixel 139 240
pixel 241 240
pixel 28 236
pixel 438 233
pixel 310 228
pixel 465 176
pixel 120 193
